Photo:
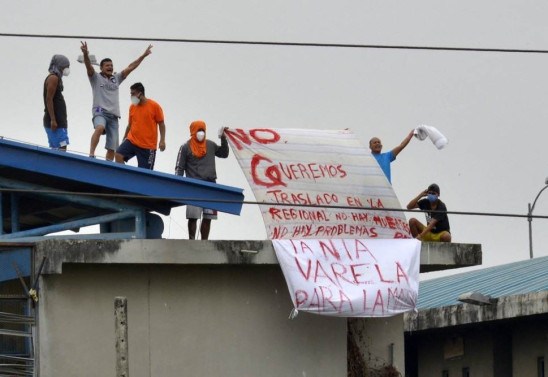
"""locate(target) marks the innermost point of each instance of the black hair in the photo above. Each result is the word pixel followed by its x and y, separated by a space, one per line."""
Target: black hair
pixel 105 60
pixel 435 188
pixel 138 86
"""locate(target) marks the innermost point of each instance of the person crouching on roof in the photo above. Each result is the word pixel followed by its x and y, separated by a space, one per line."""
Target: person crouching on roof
pixel 196 159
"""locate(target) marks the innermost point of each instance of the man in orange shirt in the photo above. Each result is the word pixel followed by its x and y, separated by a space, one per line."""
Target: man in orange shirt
pixel 141 138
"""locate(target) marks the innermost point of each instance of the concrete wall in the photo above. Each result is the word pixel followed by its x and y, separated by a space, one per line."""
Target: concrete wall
pixel 381 341
pixel 478 355
pixel 491 349
pixel 183 320
pixel 199 308
pixel 530 341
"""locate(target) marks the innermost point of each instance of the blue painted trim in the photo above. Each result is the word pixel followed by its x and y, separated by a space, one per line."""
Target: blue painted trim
pixel 129 179
pixel 14 212
pixel 78 224
pixel 88 236
pixel 1 213
pixel 78 199
pixel 21 257
pixel 140 225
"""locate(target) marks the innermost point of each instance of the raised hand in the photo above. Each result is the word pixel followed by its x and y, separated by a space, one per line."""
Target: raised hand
pixel 84 47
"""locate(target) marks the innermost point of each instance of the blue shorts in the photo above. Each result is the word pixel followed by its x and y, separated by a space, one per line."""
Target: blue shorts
pixel 57 139
pixel 110 122
pixel 145 157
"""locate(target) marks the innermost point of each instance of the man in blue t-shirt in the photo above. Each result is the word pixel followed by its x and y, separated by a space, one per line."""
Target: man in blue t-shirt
pixel 384 159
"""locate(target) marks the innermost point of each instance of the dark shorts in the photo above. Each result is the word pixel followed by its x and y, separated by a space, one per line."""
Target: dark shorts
pixel 145 157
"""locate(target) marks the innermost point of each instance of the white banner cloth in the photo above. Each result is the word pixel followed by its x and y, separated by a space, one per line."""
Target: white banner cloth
pixel 303 169
pixel 352 277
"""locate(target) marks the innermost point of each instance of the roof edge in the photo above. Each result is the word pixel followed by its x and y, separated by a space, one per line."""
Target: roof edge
pixel 506 307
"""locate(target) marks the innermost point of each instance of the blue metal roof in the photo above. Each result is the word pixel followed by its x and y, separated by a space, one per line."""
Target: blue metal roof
pixel 70 172
pixel 522 277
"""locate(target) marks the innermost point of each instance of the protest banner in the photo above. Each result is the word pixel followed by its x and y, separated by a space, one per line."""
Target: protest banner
pixel 351 277
pixel 317 184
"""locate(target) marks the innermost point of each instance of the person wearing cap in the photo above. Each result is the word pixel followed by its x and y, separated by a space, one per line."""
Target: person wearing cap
pixel 106 99
pixel 145 121
pixel 437 223
pixel 55 108
pixel 196 159
pixel 386 158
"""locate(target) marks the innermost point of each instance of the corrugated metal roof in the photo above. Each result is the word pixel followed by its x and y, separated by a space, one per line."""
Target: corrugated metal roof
pixel 509 279
pixel 68 171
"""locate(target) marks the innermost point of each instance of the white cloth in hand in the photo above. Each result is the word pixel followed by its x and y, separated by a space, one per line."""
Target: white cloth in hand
pixel 437 138
pixel 221 131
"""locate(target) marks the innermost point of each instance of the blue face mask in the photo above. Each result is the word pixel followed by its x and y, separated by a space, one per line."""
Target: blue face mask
pixel 432 197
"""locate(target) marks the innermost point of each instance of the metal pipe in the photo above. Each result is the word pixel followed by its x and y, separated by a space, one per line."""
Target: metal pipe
pixel 14 212
pixel 71 225
pixel 1 214
pixel 530 218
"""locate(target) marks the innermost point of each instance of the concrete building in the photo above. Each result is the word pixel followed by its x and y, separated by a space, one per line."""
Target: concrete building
pixel 500 331
pixel 217 308
pixel 194 308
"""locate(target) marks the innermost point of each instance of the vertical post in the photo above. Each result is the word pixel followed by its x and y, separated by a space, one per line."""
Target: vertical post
pixel 1 214
pixel 529 218
pixel 140 225
pixel 120 332
pixel 14 213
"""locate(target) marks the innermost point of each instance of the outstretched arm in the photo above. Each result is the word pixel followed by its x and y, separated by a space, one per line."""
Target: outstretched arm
pixel 87 62
pixel 130 68
pixel 403 144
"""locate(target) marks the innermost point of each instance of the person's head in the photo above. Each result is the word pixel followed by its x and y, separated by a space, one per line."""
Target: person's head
pixel 198 130
pixel 433 192
pixel 375 145
pixel 59 65
pixel 137 93
pixel 106 66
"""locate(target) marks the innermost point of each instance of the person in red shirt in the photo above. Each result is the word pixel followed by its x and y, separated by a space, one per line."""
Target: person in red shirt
pixel 146 118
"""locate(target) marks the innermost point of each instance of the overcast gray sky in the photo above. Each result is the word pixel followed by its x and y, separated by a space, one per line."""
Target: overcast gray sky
pixel 491 106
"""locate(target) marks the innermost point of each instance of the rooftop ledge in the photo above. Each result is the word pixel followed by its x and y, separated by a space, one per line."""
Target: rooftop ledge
pixel 507 307
pixel 434 256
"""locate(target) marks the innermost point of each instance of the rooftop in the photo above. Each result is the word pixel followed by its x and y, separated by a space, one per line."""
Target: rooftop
pixel 45 191
pixel 521 277
pixel 514 290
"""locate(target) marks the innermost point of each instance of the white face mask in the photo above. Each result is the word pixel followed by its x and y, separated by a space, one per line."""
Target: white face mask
pixel 66 71
pixel 200 135
pixel 135 100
